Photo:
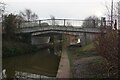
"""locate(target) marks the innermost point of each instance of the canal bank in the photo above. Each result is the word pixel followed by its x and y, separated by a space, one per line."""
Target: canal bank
pixel 64 66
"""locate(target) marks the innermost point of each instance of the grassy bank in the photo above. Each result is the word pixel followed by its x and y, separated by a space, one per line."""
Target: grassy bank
pixel 81 52
pixel 14 48
pixel 86 63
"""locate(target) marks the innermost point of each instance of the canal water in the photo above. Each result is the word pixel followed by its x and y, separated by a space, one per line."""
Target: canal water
pixel 43 64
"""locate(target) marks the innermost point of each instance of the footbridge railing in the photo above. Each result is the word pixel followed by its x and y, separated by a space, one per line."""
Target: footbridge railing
pixel 57 22
pixel 70 25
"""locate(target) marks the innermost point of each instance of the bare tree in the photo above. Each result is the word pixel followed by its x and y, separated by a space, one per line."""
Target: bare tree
pixel 113 12
pixel 91 21
pixel 28 15
pixel 116 15
pixel 2 10
pixel 118 4
pixel 34 16
pixel 53 20
pixel 110 11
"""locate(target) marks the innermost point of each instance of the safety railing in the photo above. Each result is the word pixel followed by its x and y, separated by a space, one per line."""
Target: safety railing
pixel 57 23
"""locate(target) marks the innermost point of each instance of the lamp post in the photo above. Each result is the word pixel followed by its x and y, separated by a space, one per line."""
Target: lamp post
pixel 111 14
pixel 119 15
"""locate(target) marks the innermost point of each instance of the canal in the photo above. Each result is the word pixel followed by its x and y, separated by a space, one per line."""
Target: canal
pixel 43 64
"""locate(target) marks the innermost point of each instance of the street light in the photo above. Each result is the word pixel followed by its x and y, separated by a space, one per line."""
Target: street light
pixel 111 13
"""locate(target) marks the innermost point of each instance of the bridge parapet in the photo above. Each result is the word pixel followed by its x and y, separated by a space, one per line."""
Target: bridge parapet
pixel 54 28
pixel 64 25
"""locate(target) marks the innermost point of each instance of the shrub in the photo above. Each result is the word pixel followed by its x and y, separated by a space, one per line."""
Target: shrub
pixel 11 48
pixel 107 47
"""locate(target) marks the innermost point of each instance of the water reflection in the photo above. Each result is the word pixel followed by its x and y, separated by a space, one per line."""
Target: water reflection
pixel 42 64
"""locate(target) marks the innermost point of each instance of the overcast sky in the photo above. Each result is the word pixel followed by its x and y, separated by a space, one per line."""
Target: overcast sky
pixel 75 9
